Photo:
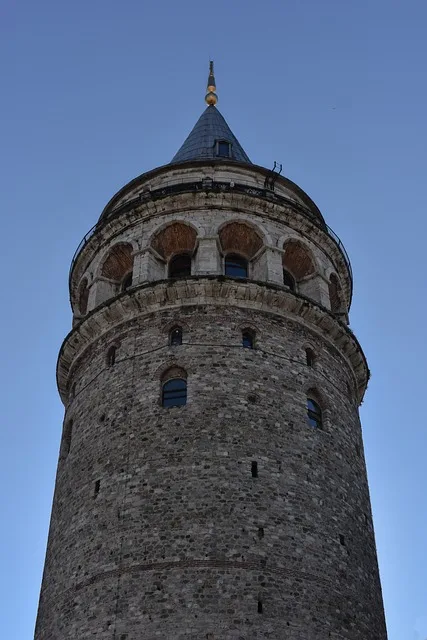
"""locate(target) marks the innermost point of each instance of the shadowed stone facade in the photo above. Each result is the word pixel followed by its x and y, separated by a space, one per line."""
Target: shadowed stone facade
pixel 162 524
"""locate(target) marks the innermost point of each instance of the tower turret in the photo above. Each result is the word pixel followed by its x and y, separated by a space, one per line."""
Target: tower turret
pixel 211 480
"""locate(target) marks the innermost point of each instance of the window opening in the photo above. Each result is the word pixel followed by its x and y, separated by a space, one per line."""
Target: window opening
pixel 288 280
pixel 254 469
pixel 111 356
pixel 127 282
pixel 180 266
pixel 223 149
pixel 174 393
pixel 309 355
pixel 68 434
pixel 175 336
pixel 236 266
pixel 260 532
pixel 342 540
pixel 314 414
pixel 259 606
pixel 248 339
pixel 97 487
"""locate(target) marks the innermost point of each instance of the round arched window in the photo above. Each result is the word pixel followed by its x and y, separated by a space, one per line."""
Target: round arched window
pixel 174 393
pixel 314 414
pixel 248 339
pixel 175 336
pixel 236 266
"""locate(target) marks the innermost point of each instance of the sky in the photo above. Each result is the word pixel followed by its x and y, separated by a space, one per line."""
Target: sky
pixel 97 92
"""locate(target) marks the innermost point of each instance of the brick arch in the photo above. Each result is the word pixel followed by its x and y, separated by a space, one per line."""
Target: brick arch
pixel 240 237
pixel 298 259
pixel 311 391
pixel 173 371
pixel 118 262
pixel 83 296
pixel 175 238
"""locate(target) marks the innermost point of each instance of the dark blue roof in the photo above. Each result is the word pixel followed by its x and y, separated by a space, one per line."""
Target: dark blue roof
pixel 201 142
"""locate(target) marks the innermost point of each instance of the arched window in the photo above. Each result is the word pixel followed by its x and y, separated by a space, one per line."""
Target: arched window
pixel 118 262
pixel 314 414
pixel 111 355
pixel 180 266
pixel 297 260
pixel 127 281
pixel 309 356
pixel 174 393
pixel 236 266
pixel 288 280
pixel 175 336
pixel 248 339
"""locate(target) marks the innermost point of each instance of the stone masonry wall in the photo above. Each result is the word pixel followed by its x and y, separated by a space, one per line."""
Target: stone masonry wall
pixel 159 529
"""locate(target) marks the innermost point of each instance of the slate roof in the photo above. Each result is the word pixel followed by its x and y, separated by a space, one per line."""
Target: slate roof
pixel 200 143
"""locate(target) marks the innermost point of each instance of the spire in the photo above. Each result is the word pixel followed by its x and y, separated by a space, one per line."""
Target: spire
pixel 211 98
pixel 211 137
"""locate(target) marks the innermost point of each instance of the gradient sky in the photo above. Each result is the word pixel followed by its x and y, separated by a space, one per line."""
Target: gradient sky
pixel 97 92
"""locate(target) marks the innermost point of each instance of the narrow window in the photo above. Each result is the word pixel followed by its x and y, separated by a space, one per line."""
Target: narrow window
pixel 342 540
pixel 66 440
pixel 96 488
pixel 288 280
pixel 111 355
pixel 314 414
pixel 254 469
pixel 309 356
pixel 248 339
pixel 223 149
pixel 175 336
pixel 236 266
pixel 127 282
pixel 180 266
pixel 259 606
pixel 260 532
pixel 174 393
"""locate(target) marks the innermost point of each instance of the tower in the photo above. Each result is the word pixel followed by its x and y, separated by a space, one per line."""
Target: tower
pixel 211 481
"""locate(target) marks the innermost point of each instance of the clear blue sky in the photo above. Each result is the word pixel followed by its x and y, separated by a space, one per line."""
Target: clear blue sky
pixel 96 92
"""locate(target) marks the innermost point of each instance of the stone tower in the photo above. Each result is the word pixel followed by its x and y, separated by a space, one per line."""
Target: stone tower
pixel 211 482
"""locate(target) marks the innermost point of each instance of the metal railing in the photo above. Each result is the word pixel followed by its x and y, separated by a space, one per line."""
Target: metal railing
pixel 209 185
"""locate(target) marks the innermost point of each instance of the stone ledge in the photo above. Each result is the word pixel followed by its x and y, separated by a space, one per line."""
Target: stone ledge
pixel 209 290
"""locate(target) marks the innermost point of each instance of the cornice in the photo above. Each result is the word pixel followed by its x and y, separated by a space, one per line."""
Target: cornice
pixel 208 290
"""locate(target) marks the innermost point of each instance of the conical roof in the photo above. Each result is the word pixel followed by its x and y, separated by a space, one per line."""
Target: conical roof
pixel 202 142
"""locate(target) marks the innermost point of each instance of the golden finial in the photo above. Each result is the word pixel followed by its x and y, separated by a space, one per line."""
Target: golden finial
pixel 211 98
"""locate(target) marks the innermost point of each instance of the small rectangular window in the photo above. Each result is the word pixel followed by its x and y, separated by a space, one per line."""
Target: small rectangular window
pixel 97 487
pixel 254 469
pixel 223 149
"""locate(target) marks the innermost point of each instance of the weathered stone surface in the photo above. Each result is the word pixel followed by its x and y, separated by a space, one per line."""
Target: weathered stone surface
pixel 159 529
